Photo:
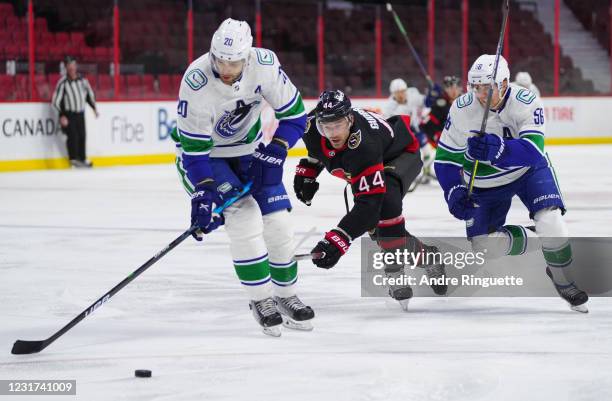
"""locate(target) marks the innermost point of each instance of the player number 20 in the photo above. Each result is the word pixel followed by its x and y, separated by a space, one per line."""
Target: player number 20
pixel 377 181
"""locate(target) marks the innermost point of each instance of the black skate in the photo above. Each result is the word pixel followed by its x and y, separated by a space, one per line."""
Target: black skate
pixel 267 316
pixel 400 292
pixel 295 314
pixel 435 271
pixel 574 296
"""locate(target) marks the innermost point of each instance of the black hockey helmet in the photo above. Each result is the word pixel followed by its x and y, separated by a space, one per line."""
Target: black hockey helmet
pixel 332 106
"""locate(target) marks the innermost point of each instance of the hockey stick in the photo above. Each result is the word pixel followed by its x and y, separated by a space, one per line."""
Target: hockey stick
pixel 32 347
pixel 309 256
pixel 399 24
pixel 483 125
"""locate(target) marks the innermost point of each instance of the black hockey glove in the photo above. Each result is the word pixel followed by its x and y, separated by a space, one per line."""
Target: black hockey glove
pixel 305 182
pixel 330 249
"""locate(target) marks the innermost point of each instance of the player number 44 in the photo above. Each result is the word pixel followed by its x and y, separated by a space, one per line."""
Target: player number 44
pixel 377 181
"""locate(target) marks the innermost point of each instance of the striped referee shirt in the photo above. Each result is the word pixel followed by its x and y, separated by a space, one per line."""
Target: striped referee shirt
pixel 71 95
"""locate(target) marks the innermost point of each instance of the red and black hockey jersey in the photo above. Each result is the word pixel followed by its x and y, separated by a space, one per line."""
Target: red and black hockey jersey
pixel 372 142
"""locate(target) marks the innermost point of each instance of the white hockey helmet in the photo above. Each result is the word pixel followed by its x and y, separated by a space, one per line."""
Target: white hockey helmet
pixel 524 79
pixel 481 71
pixel 397 84
pixel 232 41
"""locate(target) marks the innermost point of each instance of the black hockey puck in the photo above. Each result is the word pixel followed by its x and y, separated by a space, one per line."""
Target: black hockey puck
pixel 142 373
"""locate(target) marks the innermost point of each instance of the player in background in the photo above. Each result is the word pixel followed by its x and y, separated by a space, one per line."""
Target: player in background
pixel 404 100
pixel 523 79
pixel 219 149
pixel 379 159
pixel 433 122
pixel 512 162
pixel 409 101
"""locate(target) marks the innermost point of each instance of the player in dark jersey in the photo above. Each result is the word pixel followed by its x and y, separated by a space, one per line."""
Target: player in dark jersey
pixel 380 159
pixel 439 100
pixel 433 123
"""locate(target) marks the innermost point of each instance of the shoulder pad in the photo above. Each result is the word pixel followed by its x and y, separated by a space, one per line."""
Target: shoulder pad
pixel 264 56
pixel 525 96
pixel 195 78
pixel 464 100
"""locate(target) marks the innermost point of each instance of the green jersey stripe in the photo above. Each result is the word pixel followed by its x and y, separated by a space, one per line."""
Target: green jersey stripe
pixel 537 140
pixel 198 146
pixel 296 110
pixel 444 155
pixel 252 134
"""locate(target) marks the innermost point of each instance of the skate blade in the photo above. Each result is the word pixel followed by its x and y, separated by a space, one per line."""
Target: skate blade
pixel 580 308
pixel 404 304
pixel 274 331
pixel 305 325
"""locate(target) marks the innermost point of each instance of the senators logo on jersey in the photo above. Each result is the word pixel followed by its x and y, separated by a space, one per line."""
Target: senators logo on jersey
pixel 354 140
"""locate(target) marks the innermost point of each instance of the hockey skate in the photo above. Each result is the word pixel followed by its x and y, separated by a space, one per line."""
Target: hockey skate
pixel 295 314
pixel 267 316
pixel 575 297
pixel 435 271
pixel 401 292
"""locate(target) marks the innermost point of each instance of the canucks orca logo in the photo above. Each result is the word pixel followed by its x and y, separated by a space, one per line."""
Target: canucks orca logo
pixel 229 123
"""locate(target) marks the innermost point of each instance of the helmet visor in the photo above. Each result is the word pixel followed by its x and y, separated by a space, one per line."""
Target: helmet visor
pixel 227 68
pixel 334 128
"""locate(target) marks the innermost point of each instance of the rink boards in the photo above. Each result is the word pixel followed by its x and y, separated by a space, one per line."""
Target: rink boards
pixel 137 132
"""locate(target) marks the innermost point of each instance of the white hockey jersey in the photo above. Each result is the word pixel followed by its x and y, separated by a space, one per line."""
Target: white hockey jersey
pixel 225 121
pixel 413 107
pixel 520 115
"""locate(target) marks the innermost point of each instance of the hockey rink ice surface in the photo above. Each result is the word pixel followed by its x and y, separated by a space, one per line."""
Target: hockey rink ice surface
pixel 68 236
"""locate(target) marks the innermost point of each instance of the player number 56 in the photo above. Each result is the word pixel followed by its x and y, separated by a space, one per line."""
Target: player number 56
pixel 538 116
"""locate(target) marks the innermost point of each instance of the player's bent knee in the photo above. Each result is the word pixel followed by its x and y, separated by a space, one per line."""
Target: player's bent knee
pixel 495 245
pixel 278 234
pixel 244 226
pixel 549 223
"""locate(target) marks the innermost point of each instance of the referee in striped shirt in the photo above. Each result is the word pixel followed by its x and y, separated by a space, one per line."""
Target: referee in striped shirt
pixel 69 98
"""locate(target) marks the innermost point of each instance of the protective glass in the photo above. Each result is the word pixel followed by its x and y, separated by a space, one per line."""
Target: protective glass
pixel 225 67
pixel 334 128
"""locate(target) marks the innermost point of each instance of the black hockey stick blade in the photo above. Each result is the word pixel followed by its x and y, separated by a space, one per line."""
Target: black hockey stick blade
pixel 22 347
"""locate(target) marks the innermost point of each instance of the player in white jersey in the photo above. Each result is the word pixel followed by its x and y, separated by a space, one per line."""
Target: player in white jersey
pixel 512 162
pixel 219 150
pixel 523 79
pixel 403 100
pixel 409 101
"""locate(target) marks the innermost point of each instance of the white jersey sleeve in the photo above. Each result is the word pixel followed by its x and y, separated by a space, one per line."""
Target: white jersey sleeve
pixel 278 90
pixel 389 108
pixel 527 114
pixel 194 124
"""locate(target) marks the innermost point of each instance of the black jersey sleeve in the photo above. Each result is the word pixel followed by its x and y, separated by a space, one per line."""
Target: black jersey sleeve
pixel 365 162
pixel 434 123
